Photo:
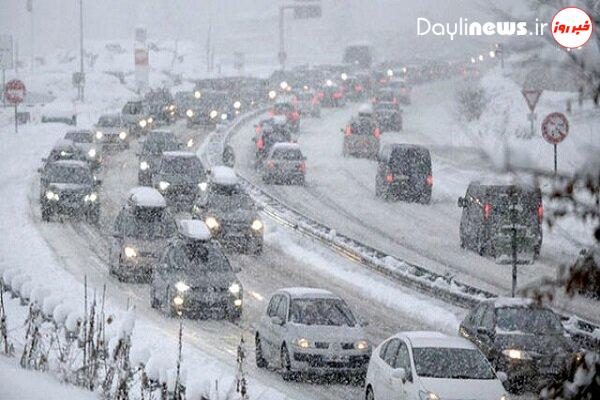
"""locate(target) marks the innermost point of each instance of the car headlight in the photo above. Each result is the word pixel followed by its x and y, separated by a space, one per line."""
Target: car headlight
pixel 428 396
pixel 257 225
pixel 178 300
pixel 361 345
pixel 189 113
pixel 50 195
pixel 92 197
pixel 162 185
pixel 515 354
pixel 143 123
pixel 504 397
pixel 181 286
pixel 203 186
pixel 99 135
pixel 224 116
pixel 92 153
pixel 144 165
pixel 190 143
pixel 197 94
pixel 212 223
pixel 122 135
pixel 130 252
pixel 235 288
pixel 150 120
pixel 237 302
pixel 213 114
pixel 303 343
pixel 237 105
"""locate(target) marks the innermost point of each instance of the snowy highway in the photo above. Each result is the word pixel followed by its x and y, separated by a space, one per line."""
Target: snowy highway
pixel 340 192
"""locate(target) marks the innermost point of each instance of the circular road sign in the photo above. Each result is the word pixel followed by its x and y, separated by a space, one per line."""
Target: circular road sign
pixel 555 127
pixel 14 91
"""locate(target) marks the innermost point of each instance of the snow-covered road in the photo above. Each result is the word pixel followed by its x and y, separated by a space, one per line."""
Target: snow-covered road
pixel 340 193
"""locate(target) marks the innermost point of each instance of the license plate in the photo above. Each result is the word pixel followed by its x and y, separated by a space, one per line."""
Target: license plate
pixel 338 358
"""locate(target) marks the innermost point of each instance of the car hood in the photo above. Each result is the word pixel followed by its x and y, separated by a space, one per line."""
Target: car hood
pixel 204 279
pixel 145 246
pixel 236 216
pixel 85 146
pixel 485 389
pixel 68 187
pixel 331 334
pixel 542 344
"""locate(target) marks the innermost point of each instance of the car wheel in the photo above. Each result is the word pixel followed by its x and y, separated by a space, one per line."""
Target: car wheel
pixel 261 362
pixel 94 216
pixel 286 364
pixel 369 395
pixel 154 303
pixel 45 214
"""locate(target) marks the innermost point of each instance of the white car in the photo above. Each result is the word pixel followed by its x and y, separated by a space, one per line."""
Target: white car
pixel 430 366
pixel 311 330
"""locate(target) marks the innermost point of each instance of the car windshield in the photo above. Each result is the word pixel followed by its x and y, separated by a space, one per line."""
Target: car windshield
pixel 283 108
pixel 196 255
pixel 451 363
pixel 287 154
pixel 80 137
pixel 161 144
pixel 386 107
pixel 68 174
pixel 326 312
pixel 147 223
pixel 523 206
pixel 132 108
pixel 364 126
pixel 109 121
pixel 231 202
pixel 528 320
pixel 410 161
pixel 187 166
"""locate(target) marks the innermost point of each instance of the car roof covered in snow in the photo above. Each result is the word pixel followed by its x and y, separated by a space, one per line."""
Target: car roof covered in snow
pixel 63 143
pixel 286 146
pixel 146 197
pixel 182 154
pixel 71 163
pixel 306 292
pixel 158 135
pixel 222 175
pixel 519 302
pixel 365 109
pixel 435 339
pixel 279 119
pixel 194 229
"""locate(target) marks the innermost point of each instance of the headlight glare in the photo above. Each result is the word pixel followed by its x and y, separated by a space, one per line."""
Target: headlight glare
pixel 150 120
pixel 203 186
pixel 212 223
pixel 162 185
pixel 92 197
pixel 428 396
pixel 181 286
pixel 189 113
pixel 130 252
pixel 99 135
pixel 237 105
pixel 92 153
pixel 257 225
pixel 178 300
pixel 235 288
pixel 515 354
pixel 213 114
pixel 190 143
pixel 144 165
pixel 122 135
pixel 303 343
pixel 50 195
pixel 143 123
pixel 361 345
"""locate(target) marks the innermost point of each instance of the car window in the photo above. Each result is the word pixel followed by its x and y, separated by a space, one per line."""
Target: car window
pixel 273 304
pixel 282 309
pixel 488 318
pixel 287 154
pixel 451 363
pixel 478 315
pixel 403 358
pixel 391 352
pixel 529 320
pixel 325 312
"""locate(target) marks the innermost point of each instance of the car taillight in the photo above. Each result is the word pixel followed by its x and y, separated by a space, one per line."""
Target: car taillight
pixel 321 95
pixel 257 129
pixel 315 100
pixel 403 90
pixel 358 88
pixel 260 144
pixel 389 178
pixel 271 164
pixel 383 81
pixel 302 166
pixel 487 211
pixel 395 101
pixel 374 100
pixel 540 212
pixel 337 95
pixel 348 131
pixel 294 116
pixel 271 113
pixel 429 180
pixel 377 133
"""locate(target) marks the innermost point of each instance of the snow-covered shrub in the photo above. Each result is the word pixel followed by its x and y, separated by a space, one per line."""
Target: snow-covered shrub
pixel 471 101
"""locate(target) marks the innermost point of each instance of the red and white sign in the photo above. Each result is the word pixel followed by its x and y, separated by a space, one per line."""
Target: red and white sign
pixel 531 97
pixel 571 27
pixel 14 91
pixel 555 127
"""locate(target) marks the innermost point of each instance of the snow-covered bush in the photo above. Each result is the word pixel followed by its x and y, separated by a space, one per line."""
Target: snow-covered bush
pixel 471 101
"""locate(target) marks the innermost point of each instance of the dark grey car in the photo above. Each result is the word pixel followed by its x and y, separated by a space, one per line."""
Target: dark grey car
pixel 230 212
pixel 285 164
pixel 520 338
pixel 84 140
pixel 194 278
pixel 113 132
pixel 68 187
pixel 179 177
pixel 153 146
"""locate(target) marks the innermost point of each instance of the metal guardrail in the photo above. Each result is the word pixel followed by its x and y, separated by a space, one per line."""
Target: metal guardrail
pixel 413 276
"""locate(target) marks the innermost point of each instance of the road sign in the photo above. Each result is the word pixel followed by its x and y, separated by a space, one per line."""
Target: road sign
pixel 307 11
pixel 555 127
pixel 6 52
pixel 14 91
pixel 531 97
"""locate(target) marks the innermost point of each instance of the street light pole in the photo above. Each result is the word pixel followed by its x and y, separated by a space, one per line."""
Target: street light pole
pixel 281 55
pixel 81 85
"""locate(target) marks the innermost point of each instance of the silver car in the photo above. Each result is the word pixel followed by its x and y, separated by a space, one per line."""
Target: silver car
pixel 84 140
pixel 141 230
pixel 311 330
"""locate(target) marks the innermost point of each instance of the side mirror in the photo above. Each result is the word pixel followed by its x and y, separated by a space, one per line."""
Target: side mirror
pixel 399 374
pixel 502 376
pixel 461 202
pixel 482 330
pixel 276 321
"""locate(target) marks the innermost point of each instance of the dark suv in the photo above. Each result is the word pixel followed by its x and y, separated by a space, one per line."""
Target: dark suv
pixel 269 133
pixel 493 214
pixel 520 338
pixel 179 177
pixel 404 171
pixel 154 145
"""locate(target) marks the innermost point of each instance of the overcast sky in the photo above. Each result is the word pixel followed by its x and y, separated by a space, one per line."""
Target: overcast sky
pixel 247 25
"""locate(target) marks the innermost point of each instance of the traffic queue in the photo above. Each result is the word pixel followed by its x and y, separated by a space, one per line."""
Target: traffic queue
pixel 174 230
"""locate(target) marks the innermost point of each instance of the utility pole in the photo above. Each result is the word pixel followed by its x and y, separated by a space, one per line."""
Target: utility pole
pixel 513 221
pixel 31 37
pixel 81 85
pixel 281 55
pixel 208 45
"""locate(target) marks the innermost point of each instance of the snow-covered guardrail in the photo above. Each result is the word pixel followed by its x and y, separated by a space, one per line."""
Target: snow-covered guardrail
pixel 408 274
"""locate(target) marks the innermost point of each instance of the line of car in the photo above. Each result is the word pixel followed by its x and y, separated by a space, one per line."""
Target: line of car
pixel 303 330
